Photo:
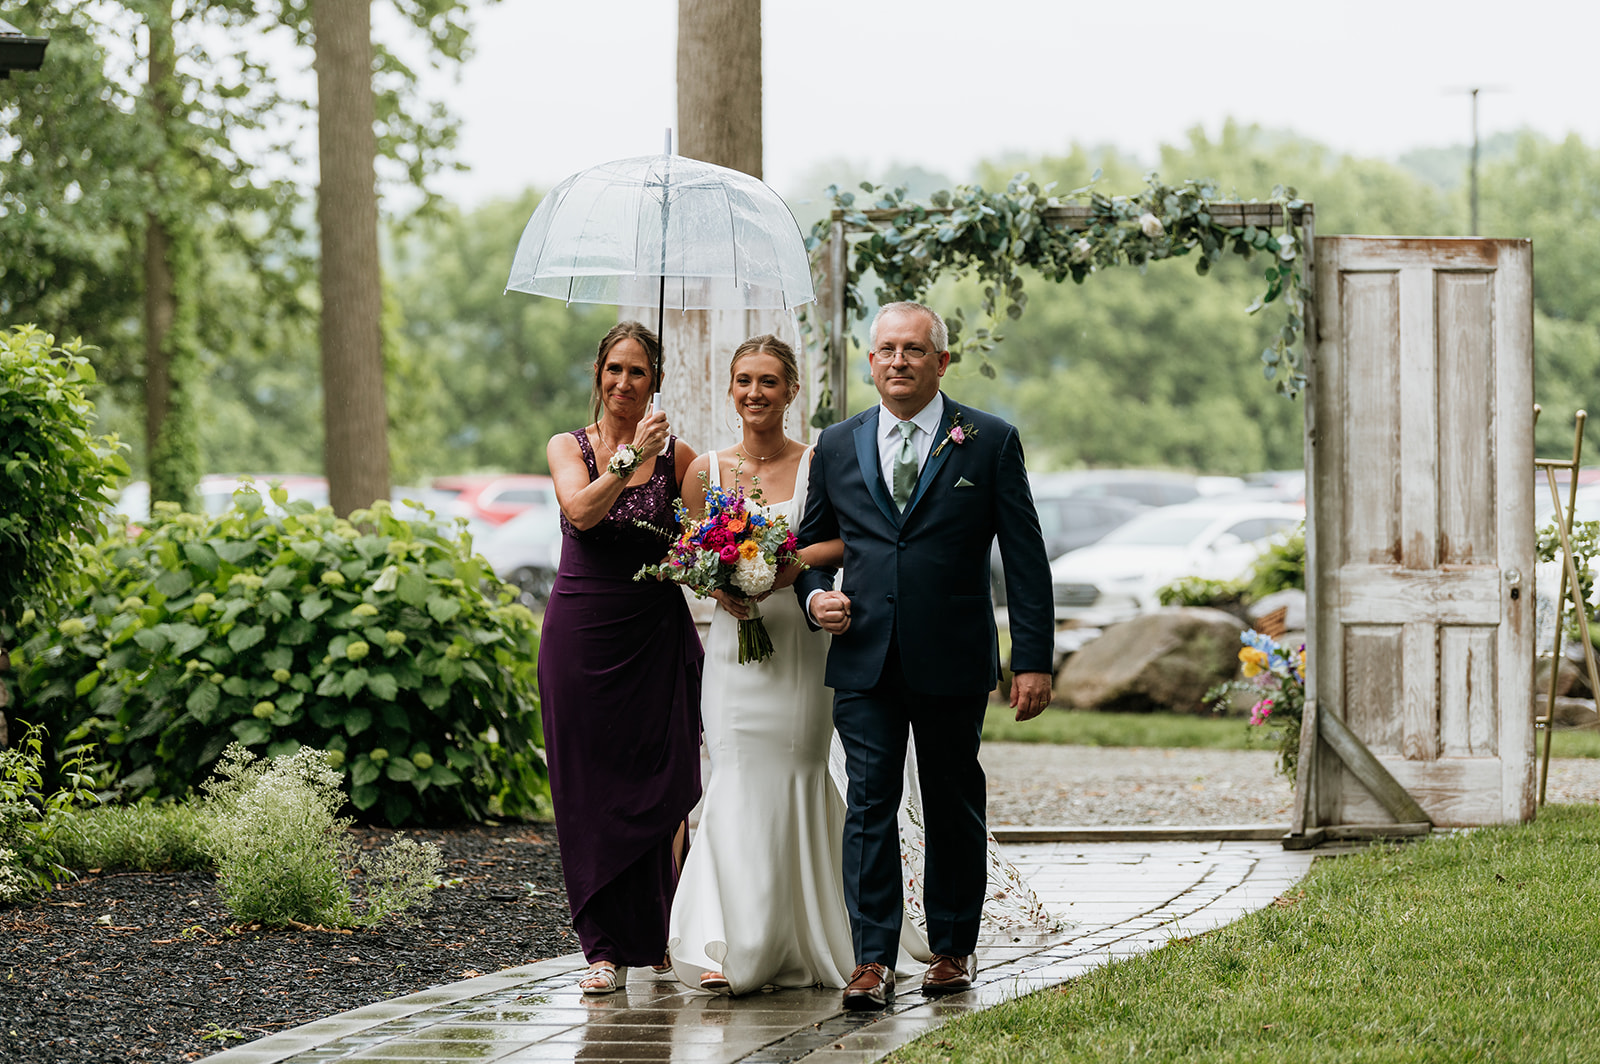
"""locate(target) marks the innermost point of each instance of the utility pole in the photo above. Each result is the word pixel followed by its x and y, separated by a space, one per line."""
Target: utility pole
pixel 1472 166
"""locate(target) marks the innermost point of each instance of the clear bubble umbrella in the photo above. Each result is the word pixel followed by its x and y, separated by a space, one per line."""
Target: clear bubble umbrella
pixel 668 230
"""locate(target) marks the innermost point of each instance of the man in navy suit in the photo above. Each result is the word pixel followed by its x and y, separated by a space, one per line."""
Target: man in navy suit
pixel 918 488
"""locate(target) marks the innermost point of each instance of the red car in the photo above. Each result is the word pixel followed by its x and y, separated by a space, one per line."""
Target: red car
pixel 493 497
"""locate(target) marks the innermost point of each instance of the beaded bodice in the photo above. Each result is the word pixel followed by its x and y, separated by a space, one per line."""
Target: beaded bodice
pixel 650 503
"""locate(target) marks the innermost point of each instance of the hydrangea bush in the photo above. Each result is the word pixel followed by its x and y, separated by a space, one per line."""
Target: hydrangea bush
pixel 383 641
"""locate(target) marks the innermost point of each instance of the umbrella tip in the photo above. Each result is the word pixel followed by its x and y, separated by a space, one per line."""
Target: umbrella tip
pixel 668 149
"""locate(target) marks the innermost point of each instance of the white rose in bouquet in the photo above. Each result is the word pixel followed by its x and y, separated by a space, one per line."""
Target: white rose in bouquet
pixel 1151 225
pixel 754 575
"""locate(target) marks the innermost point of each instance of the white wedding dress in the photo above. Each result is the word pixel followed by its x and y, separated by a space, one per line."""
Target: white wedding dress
pixel 761 896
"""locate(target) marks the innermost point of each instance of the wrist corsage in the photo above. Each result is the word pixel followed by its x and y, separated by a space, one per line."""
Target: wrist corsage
pixel 624 462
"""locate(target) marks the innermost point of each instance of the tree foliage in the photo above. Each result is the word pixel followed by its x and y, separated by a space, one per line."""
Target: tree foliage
pixel 512 370
pixel 84 164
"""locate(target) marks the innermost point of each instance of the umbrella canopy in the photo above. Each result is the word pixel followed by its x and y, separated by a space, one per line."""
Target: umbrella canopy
pixel 668 230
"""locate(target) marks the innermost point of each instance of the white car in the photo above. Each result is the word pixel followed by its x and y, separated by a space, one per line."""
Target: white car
pixel 526 552
pixel 1117 578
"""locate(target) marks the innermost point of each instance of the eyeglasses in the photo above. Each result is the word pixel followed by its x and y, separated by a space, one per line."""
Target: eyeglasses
pixel 910 354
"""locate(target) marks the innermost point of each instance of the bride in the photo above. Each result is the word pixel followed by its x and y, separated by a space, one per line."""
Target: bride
pixel 760 901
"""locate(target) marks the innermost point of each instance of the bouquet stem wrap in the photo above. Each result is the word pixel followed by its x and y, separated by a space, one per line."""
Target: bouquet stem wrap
pixel 754 642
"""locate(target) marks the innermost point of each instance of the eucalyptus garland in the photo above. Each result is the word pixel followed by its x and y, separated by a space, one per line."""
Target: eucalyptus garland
pixel 908 245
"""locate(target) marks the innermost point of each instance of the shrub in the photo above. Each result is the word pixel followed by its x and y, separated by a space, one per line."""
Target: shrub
pixel 54 475
pixel 1200 591
pixel 283 856
pixel 1584 538
pixel 146 836
pixel 31 817
pixel 1280 567
pixel 385 642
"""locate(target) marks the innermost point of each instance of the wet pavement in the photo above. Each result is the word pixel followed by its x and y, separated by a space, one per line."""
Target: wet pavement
pixel 1122 898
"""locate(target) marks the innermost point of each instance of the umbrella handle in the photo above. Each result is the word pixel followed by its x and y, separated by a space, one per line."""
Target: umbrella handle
pixel 655 403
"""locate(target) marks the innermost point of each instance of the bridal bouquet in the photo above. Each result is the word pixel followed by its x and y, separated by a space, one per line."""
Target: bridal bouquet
pixel 734 547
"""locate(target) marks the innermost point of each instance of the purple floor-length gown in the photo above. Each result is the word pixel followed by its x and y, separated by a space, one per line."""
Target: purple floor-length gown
pixel 619 684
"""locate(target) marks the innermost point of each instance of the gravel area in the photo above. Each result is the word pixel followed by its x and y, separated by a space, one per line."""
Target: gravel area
pixel 1043 785
pixel 1574 779
pixel 1037 784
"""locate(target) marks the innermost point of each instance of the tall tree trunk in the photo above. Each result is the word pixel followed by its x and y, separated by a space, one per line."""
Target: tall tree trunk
pixel 171 446
pixel 719 121
pixel 719 82
pixel 356 447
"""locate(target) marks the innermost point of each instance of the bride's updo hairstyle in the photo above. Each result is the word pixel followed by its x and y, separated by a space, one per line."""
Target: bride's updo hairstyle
pixel 768 344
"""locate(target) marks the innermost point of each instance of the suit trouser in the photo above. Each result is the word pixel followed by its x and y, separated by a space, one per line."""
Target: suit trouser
pixel 872 727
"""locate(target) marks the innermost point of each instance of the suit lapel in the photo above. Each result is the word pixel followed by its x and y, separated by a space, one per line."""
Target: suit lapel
pixel 935 462
pixel 866 437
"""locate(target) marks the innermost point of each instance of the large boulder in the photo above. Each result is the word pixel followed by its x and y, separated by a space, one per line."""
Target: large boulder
pixel 1165 660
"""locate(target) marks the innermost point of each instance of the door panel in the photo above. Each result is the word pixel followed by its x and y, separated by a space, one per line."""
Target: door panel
pixel 1422 500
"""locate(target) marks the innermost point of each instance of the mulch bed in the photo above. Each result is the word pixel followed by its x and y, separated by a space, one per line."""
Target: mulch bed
pixel 168 971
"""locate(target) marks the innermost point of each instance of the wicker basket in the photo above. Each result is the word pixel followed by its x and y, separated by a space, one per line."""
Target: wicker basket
pixel 1272 624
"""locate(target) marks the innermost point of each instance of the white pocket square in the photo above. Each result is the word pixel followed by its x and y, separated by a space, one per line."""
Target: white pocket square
pixel 963 482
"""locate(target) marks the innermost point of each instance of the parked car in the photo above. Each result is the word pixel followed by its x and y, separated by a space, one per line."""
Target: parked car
pixel 133 502
pixel 1151 487
pixel 1586 502
pixel 1068 521
pixel 1117 578
pixel 215 490
pixel 526 552
pixel 493 497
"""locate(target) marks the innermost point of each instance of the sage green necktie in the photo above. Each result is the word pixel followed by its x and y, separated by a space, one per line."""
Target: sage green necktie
pixel 905 466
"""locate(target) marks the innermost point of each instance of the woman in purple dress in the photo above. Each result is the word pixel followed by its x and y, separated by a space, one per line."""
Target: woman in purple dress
pixel 619 669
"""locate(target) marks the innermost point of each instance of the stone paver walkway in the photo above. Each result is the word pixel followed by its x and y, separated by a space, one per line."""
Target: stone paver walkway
pixel 1124 898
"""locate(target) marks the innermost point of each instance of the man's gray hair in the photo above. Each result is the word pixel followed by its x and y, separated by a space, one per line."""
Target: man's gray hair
pixel 938 334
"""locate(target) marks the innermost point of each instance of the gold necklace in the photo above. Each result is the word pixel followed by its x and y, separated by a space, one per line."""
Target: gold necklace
pixel 601 436
pixel 757 457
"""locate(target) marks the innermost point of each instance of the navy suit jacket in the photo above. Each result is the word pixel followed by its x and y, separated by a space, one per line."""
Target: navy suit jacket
pixel 924 575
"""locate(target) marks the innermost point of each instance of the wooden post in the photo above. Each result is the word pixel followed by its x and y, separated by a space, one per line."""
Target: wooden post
pixel 839 335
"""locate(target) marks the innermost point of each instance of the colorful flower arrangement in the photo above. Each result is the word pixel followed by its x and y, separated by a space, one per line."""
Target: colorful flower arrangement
pixel 735 547
pixel 1275 674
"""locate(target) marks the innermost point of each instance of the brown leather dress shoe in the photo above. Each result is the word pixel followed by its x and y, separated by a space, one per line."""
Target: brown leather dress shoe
pixel 949 975
pixel 871 987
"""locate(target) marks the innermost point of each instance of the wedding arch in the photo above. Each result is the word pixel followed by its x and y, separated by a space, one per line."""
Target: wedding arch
pixel 908 245
pixel 1418 378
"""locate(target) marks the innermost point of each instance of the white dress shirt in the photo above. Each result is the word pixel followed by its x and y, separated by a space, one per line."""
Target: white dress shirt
pixel 927 421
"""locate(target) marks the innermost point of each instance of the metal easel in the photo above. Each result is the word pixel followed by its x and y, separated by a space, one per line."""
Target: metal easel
pixel 1569 582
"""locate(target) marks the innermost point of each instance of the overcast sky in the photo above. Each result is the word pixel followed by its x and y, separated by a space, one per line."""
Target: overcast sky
pixel 558 85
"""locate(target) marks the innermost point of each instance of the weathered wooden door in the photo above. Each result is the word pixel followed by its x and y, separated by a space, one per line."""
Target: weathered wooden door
pixel 1420 444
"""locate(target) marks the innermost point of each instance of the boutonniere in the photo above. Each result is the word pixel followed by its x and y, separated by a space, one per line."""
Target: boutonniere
pixel 960 432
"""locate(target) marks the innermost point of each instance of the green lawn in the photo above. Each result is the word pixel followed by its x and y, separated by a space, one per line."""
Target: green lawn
pixel 1121 729
pixel 1477 946
pixel 1584 743
pixel 1184 730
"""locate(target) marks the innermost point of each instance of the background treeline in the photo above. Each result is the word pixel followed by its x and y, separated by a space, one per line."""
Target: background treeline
pixel 1159 369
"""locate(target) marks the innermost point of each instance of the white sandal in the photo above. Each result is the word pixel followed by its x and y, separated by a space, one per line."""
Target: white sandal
pixel 603 978
pixel 715 982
